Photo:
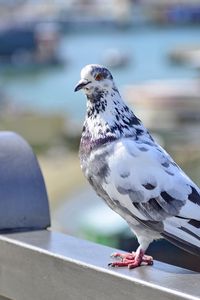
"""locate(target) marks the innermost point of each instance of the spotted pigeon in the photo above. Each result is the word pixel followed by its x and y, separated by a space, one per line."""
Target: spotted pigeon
pixel 134 175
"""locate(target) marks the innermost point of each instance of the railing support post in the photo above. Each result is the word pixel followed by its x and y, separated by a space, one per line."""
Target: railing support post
pixel 23 197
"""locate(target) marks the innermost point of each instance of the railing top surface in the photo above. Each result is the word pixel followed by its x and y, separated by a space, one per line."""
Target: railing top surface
pixel 75 256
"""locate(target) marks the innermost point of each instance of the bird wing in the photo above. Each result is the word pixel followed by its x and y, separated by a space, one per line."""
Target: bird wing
pixel 146 183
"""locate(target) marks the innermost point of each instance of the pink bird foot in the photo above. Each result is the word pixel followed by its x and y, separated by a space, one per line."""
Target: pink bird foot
pixel 131 260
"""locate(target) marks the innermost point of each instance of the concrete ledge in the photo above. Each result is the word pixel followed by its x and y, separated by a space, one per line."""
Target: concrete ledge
pixel 45 265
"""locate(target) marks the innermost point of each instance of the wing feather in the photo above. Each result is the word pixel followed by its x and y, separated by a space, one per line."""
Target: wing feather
pixel 144 179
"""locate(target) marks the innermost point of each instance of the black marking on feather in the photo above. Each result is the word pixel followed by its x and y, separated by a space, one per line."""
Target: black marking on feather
pixel 148 143
pixel 165 164
pixel 98 102
pixel 143 210
pixel 169 173
pixel 181 243
pixel 126 121
pixel 183 218
pixel 153 225
pixel 159 208
pixel 190 232
pixel 90 111
pixel 126 127
pixel 159 150
pixel 139 132
pixel 153 205
pixel 84 129
pixel 120 128
pixel 116 109
pixel 134 121
pixel 143 149
pixel 126 108
pixel 194 196
pixel 149 186
pixel 172 208
pixel 168 198
pixel 158 226
pixel 116 127
pixel 115 89
pixel 194 223
pixel 170 204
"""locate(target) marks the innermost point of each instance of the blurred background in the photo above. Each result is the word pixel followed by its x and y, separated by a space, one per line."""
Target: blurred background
pixel 152 48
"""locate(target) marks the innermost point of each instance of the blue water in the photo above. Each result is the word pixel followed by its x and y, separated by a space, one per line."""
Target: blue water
pixel 52 90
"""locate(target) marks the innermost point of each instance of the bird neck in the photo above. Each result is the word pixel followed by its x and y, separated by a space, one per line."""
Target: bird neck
pixel 108 118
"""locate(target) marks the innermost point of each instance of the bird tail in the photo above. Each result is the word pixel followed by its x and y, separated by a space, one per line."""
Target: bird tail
pixel 184 233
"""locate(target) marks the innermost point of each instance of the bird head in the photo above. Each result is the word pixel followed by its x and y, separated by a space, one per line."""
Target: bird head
pixel 94 77
pixel 107 115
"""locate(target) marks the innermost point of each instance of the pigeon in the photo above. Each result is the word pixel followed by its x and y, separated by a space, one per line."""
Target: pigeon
pixel 133 174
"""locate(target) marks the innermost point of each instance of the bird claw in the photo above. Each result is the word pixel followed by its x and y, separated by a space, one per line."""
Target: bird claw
pixel 131 260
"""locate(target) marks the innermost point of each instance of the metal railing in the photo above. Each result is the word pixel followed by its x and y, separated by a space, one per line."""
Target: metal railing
pixel 39 264
pixel 48 265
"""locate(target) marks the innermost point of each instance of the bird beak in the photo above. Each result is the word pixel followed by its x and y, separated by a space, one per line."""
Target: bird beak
pixel 81 84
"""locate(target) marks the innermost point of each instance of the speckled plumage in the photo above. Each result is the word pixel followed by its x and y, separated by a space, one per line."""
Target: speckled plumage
pixel 131 172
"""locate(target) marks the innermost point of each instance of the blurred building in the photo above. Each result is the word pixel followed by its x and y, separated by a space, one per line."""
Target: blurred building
pixel 172 11
pixel 186 55
pixel 122 13
pixel 31 44
pixel 166 104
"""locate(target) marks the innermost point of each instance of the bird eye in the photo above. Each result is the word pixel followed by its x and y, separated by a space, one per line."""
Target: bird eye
pixel 99 77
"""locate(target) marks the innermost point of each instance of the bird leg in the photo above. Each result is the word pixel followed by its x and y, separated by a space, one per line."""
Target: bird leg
pixel 131 260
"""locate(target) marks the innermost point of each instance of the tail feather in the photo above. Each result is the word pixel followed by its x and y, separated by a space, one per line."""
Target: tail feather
pixel 193 249
pixel 183 233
